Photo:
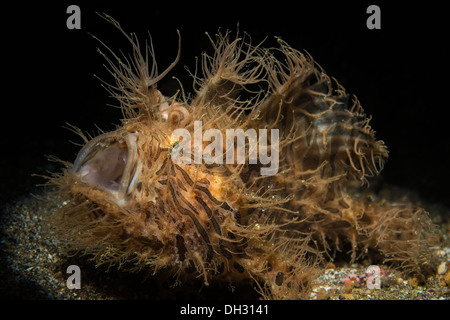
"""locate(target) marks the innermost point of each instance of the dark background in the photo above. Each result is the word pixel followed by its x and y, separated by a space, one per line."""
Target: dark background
pixel 399 73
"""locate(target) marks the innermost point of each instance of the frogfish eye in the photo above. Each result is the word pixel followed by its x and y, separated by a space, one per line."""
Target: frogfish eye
pixel 108 162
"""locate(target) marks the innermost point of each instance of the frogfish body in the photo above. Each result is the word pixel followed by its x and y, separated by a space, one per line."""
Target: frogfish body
pixel 129 201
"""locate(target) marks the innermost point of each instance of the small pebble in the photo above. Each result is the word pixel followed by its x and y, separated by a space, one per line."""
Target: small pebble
pixel 442 268
pixel 441 253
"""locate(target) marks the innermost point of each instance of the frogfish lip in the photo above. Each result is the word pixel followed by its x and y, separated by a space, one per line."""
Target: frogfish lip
pixel 110 162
